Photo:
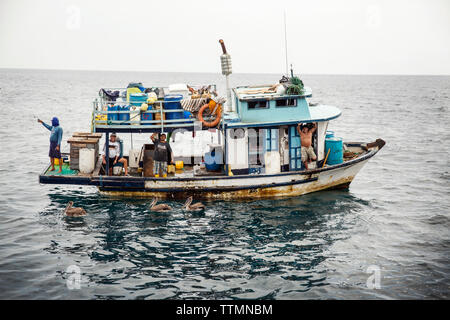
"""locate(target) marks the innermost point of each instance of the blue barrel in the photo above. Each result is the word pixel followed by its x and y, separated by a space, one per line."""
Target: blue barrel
pixel 213 160
pixel 336 155
pixel 187 115
pixel 124 116
pixel 147 116
pixel 329 134
pixel 113 116
pixel 137 99
pixel 172 102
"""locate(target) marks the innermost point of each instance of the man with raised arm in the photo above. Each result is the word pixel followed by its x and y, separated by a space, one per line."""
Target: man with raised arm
pixel 306 133
pixel 55 142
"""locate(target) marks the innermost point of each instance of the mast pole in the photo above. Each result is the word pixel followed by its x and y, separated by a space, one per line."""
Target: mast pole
pixel 225 60
pixel 285 44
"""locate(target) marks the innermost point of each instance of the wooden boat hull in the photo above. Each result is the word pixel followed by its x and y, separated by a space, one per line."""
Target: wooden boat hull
pixel 249 187
pixel 252 186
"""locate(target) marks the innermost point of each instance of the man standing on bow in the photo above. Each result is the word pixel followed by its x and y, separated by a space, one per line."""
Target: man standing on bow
pixel 55 142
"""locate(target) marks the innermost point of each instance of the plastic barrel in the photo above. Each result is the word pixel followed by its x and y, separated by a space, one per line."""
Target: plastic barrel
pixel 136 99
pixel 213 161
pixel 187 114
pixel 124 116
pixel 329 134
pixel 147 116
pixel 113 116
pixel 87 160
pixel 172 102
pixel 336 150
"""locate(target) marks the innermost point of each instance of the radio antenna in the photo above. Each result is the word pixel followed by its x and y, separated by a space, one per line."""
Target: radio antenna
pixel 285 44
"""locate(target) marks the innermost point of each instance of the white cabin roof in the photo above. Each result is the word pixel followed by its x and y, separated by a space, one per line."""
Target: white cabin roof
pixel 318 113
pixel 261 92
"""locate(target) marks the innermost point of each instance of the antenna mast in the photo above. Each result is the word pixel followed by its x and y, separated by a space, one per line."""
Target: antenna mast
pixel 225 60
pixel 285 44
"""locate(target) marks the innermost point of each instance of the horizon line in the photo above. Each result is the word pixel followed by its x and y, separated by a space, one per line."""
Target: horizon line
pixel 219 73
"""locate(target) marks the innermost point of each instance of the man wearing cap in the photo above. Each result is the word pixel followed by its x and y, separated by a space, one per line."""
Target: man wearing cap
pixel 114 154
pixel 55 142
pixel 161 155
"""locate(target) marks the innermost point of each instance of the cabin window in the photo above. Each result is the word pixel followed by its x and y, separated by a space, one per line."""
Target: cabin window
pixel 258 104
pixel 286 103
pixel 271 141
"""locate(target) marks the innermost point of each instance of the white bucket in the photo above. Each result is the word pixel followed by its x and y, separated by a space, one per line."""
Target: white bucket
pixel 117 170
pixel 87 160
pixel 134 158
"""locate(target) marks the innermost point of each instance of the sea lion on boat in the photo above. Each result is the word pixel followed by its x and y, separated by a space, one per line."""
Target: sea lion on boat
pixel 159 207
pixel 193 207
pixel 73 211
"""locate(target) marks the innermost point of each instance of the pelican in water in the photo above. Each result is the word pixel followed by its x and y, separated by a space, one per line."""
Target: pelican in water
pixel 193 207
pixel 74 212
pixel 159 207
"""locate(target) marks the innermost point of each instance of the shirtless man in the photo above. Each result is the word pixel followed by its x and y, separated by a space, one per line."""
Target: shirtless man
pixel 305 133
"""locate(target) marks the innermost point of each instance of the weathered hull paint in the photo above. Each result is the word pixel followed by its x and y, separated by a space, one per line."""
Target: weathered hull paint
pixel 285 184
pixel 292 185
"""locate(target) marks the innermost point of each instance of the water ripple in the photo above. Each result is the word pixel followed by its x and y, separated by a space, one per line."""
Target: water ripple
pixel 395 215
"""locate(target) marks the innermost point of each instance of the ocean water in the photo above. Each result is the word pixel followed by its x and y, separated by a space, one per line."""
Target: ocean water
pixel 387 237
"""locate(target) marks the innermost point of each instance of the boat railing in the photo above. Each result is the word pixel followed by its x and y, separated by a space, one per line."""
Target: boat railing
pixel 123 92
pixel 135 119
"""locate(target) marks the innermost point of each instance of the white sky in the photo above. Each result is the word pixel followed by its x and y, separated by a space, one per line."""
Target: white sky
pixel 324 37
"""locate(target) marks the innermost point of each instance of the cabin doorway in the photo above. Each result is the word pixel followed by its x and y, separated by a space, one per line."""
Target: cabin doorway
pixel 263 143
pixel 255 150
pixel 295 149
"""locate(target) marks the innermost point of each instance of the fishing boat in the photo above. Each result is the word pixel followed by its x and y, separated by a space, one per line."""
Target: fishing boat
pixel 255 153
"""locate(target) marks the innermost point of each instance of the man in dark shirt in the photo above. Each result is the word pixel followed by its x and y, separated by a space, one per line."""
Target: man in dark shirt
pixel 55 142
pixel 161 154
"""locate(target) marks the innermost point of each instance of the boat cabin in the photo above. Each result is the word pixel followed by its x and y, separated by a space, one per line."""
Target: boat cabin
pixel 262 136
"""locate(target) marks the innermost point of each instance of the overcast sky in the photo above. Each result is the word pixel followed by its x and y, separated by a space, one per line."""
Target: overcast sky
pixel 324 37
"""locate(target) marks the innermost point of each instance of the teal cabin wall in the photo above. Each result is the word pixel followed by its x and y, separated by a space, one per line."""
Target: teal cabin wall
pixel 273 113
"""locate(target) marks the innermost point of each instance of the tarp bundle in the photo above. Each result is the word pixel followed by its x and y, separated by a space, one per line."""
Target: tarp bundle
pixel 109 95
pixel 193 105
pixel 136 85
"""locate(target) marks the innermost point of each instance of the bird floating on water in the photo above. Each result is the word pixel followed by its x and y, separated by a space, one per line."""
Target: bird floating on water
pixel 74 211
pixel 159 207
pixel 193 207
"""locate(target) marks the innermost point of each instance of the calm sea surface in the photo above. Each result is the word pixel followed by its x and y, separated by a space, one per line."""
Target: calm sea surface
pixel 392 225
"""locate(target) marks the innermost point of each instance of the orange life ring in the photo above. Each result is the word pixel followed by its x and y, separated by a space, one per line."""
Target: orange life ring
pixel 211 106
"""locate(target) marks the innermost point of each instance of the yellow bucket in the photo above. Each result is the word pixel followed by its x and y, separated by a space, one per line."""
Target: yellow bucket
pixel 101 117
pixel 170 168
pixel 179 165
